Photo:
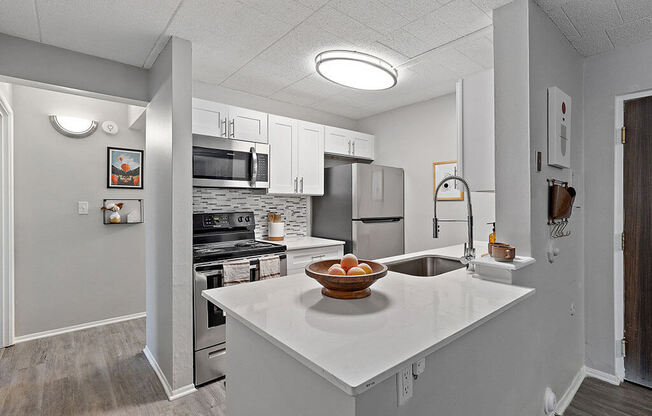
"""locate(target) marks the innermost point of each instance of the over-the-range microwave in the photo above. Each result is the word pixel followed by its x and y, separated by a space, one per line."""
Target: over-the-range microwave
pixel 227 163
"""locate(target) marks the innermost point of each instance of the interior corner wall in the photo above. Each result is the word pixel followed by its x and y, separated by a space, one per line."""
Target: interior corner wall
pixel 71 269
pixel 623 71
pixel 169 214
pixel 413 137
pixel 267 105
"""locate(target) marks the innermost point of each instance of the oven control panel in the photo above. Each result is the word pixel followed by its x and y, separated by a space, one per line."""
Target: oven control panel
pixel 224 220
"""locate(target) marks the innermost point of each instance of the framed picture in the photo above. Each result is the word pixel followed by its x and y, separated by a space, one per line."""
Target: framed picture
pixel 450 191
pixel 125 168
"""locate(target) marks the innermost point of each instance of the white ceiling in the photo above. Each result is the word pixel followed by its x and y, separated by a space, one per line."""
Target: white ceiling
pixel 597 26
pixel 267 47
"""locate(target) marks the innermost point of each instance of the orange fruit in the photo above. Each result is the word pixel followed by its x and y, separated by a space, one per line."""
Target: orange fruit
pixel 365 267
pixel 355 271
pixel 349 261
pixel 336 271
pixel 334 265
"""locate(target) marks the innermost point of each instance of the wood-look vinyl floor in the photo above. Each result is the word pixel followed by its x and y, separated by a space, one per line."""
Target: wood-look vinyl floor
pixel 598 398
pixel 97 371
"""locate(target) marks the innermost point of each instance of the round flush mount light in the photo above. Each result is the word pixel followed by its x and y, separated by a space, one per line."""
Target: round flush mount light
pixel 76 128
pixel 356 70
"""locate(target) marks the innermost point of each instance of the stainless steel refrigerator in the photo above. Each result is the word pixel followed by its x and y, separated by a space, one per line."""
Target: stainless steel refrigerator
pixel 363 206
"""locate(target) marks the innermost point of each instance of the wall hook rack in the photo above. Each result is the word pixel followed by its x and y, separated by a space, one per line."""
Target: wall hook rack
pixel 560 206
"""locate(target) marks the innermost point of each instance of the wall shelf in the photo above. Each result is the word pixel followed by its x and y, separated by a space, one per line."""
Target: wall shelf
pixel 132 211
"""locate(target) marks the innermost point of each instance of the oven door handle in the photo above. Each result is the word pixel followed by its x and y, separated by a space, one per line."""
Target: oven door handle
pixel 254 166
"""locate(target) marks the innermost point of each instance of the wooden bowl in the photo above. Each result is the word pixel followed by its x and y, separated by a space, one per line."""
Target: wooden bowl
pixel 345 287
pixel 504 253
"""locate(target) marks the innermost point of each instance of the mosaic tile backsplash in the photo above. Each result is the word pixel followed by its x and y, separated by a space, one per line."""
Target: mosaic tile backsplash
pixel 293 209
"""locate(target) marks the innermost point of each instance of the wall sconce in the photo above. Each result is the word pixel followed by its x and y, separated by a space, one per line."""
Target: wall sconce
pixel 76 128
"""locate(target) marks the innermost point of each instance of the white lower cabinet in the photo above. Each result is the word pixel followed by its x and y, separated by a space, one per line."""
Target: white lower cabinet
pixel 296 157
pixel 297 260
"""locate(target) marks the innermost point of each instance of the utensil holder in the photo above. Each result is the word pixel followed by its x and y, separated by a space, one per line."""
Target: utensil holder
pixel 276 231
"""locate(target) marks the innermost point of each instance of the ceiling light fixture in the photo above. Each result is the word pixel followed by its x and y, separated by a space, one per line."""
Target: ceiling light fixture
pixel 76 128
pixel 356 70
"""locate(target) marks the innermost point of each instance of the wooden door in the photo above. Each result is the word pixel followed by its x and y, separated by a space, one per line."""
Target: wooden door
pixel 282 155
pixel 310 158
pixel 637 192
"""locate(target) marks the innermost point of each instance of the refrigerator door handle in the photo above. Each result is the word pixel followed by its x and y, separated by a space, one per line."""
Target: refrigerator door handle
pixel 378 220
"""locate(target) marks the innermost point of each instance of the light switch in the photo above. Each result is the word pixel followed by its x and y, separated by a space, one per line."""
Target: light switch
pixel 82 207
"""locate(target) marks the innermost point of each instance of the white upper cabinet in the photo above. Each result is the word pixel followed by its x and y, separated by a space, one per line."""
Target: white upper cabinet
pixel 310 158
pixel 476 132
pixel 209 118
pixel 214 119
pixel 245 124
pixel 349 143
pixel 296 157
pixel 283 158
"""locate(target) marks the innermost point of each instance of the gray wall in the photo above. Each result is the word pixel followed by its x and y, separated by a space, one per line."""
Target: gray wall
pixel 267 105
pixel 51 67
pixel 623 71
pixel 413 137
pixel 71 269
pixel 169 214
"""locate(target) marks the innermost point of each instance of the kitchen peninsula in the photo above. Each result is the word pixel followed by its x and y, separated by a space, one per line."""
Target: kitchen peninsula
pixel 301 353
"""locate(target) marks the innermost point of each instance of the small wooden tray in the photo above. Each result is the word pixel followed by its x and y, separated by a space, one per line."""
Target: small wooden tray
pixel 345 287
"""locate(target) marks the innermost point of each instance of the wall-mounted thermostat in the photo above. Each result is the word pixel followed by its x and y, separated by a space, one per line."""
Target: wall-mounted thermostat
pixel 559 128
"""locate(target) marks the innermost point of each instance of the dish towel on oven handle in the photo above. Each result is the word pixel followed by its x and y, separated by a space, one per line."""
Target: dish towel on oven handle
pixel 270 267
pixel 236 272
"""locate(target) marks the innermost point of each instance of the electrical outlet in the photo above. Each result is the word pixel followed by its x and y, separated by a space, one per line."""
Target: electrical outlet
pixel 419 367
pixel 404 384
pixel 82 207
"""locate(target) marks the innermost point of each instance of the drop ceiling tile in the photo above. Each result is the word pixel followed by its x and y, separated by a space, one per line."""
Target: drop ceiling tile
pixel 211 66
pixel 395 58
pixel 488 5
pixel 591 15
pixel 372 13
pixel 478 49
pixel 432 30
pixel 550 4
pixel 405 43
pixel 343 26
pixel 289 11
pixel 287 96
pixel 630 33
pixel 120 30
pixel 263 78
pixel 18 18
pixel 455 61
pixel 561 20
pixel 592 43
pixel 463 16
pixel 413 9
pixel 313 4
pixel 632 10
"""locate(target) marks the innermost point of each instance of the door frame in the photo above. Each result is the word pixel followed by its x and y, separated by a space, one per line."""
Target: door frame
pixel 6 222
pixel 619 225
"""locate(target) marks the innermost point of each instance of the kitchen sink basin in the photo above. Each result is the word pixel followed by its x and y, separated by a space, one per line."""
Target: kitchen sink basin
pixel 425 266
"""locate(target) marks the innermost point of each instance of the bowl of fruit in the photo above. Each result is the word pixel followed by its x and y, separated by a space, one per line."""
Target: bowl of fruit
pixel 348 278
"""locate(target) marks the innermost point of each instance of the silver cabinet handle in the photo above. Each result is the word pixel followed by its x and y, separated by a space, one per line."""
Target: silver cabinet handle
pixel 296 185
pixel 232 125
pixel 302 184
pixel 254 166
pixel 354 148
pixel 349 146
pixel 321 256
pixel 224 128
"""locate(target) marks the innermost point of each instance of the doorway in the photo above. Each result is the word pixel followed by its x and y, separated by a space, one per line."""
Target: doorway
pixel 637 239
pixel 6 223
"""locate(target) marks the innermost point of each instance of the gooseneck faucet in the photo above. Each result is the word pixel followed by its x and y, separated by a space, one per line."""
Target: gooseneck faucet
pixel 469 251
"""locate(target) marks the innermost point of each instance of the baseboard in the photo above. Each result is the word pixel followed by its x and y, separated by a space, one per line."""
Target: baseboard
pixel 601 375
pixel 568 396
pixel 59 331
pixel 172 394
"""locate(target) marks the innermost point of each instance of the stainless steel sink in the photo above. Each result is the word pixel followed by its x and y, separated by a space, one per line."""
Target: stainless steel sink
pixel 425 266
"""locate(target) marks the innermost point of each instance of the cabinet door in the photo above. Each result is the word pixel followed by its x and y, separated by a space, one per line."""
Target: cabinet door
pixel 297 260
pixel 362 146
pixel 209 118
pixel 338 141
pixel 310 158
pixel 283 159
pixel 245 124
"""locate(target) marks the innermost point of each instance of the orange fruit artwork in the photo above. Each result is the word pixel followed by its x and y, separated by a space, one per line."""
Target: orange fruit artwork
pixel 125 167
pixel 114 179
pixel 136 180
pixel 349 261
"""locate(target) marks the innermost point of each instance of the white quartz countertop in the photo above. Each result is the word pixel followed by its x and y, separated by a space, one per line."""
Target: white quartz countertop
pixel 358 343
pixel 299 243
